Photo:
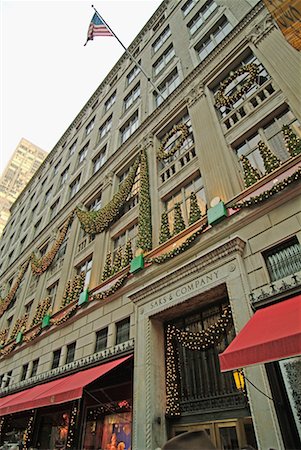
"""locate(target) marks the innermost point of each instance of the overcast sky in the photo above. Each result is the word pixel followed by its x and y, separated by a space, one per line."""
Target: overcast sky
pixel 47 75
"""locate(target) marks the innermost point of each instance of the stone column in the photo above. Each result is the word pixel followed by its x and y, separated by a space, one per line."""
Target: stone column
pixel 262 409
pixel 218 167
pixel 280 59
pixel 101 241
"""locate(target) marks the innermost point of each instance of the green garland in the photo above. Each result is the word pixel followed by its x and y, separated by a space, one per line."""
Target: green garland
pixel 4 303
pixel 270 161
pixel 144 239
pixel 94 222
pixel 73 289
pixel 164 229
pixel 161 153
pixel 292 141
pixel 251 175
pixel 120 282
pixel 253 201
pixel 194 211
pixel 41 310
pixel 176 251
pixel 223 100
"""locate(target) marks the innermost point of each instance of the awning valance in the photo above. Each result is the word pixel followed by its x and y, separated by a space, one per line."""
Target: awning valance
pixel 57 391
pixel 273 333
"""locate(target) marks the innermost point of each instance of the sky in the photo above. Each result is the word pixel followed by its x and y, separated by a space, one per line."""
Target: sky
pixel 47 74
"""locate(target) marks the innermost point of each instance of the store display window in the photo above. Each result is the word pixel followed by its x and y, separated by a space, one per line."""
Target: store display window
pixel 53 430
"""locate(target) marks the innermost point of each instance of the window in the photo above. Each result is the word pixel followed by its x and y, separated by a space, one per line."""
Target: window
pixel 105 128
pixel 28 307
pixel 133 73
pixel 37 227
pixel 47 195
pixel 54 208
pixel 83 153
pixel 123 330
pixel 132 96
pixel 64 176
pixel 182 196
pixel 86 268
pixel 202 16
pixel 272 135
pixel 56 167
pixel 22 243
pixel 89 127
pixel 164 59
pixel 187 7
pixel 24 372
pixel 211 41
pixel 56 358
pixel 110 102
pixel 72 148
pixel 95 204
pixel 99 159
pixel 34 367
pixel 70 353
pixel 74 187
pixel 161 39
pixel 129 235
pixel 7 378
pixel 167 87
pixel 52 290
pixel 129 127
pixel 284 259
pixel 9 321
pixel 101 340
pixel 132 199
pixel 10 256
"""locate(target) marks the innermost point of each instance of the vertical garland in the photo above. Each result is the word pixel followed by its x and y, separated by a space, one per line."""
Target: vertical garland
pixel 4 303
pixel 144 240
pixel 107 270
pixel 128 254
pixel 117 261
pixel 270 161
pixel 251 175
pixel 164 229
pixel 72 427
pixel 195 212
pixel 292 141
pixel 28 433
pixel 179 224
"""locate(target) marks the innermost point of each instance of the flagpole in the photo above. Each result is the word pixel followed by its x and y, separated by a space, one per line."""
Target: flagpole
pixel 130 55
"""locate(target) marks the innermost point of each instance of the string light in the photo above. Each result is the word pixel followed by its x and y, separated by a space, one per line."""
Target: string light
pixel 72 425
pixel 28 432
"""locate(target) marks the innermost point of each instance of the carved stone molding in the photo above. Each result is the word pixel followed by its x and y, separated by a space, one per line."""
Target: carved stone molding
pixel 108 180
pixel 147 141
pixel 195 94
pixel 234 246
pixel 261 29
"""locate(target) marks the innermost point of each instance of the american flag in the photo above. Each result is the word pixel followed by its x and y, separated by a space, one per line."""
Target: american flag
pixel 97 28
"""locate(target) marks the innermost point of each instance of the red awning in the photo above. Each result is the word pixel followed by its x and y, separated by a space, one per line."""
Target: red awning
pixel 273 333
pixel 57 391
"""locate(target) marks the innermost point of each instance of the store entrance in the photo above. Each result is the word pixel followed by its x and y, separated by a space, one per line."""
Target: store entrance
pixel 232 434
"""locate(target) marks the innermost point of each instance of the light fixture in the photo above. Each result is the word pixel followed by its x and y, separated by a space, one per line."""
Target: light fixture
pixel 239 379
pixel 215 201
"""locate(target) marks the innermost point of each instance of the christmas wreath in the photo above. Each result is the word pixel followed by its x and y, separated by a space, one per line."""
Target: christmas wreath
pixel 162 154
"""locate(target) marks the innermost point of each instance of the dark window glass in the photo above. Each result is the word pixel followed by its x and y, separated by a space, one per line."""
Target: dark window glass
pixel 34 368
pixel 101 340
pixel 70 352
pixel 123 331
pixel 56 358
pixel 24 372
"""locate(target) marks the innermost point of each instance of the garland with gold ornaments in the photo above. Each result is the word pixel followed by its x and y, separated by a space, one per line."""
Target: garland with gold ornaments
pixel 162 153
pixel 199 341
pixel 41 310
pixel 38 266
pixel 222 99
pixel 144 239
pixel 73 289
pixel 94 222
pixel 4 304
pixel 104 294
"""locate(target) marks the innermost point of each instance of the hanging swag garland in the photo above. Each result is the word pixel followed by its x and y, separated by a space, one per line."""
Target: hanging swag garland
pixel 161 153
pixel 94 222
pixel 222 99
pixel 4 303
pixel 39 266
pixel 200 341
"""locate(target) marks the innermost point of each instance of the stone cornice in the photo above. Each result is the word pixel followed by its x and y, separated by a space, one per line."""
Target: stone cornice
pixel 233 246
pixel 262 29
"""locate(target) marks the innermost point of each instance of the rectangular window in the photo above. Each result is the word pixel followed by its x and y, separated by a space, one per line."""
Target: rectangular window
pixel 105 128
pixel 161 39
pixel 187 7
pixel 37 227
pixel 56 358
pixel 132 96
pixel 167 87
pixel 89 127
pixel 110 102
pixel 129 235
pixel 28 307
pixel 64 176
pixel 129 127
pixel 47 195
pixel 54 209
pixel 83 153
pixel 99 159
pixel 24 372
pixel 72 148
pixel 132 199
pixel 101 340
pixel 217 34
pixel 86 268
pixel 51 291
pixel 132 74
pixel 123 331
pixel 164 59
pixel 7 379
pixel 284 259
pixel 34 368
pixel 200 18
pixel 74 187
pixel 22 243
pixel 70 353
pixel 56 167
pixel 95 204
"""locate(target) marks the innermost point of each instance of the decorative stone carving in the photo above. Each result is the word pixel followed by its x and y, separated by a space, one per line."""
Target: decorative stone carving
pixel 261 29
pixel 195 94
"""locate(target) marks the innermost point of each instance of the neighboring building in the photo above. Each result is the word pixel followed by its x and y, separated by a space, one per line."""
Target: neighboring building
pixel 88 357
pixel 23 164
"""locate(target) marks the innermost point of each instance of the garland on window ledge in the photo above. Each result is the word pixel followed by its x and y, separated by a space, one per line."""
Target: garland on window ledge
pixel 253 201
pixel 65 317
pixel 199 341
pixel 73 289
pixel 41 310
pixel 292 141
pixel 120 282
pixel 4 304
pixel 94 222
pixel 161 153
pixel 176 251
pixel 39 266
pixel 222 99
pixel 144 239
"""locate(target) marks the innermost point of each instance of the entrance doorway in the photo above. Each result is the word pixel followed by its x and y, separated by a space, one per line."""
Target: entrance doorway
pixel 232 434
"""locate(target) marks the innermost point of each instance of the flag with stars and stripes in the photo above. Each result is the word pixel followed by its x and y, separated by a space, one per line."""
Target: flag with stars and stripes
pixel 97 28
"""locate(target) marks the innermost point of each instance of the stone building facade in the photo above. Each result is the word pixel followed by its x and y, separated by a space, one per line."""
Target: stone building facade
pixel 94 340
